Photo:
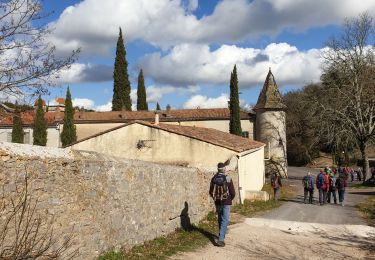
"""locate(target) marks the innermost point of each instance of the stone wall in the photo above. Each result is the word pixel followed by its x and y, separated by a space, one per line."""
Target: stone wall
pixel 107 203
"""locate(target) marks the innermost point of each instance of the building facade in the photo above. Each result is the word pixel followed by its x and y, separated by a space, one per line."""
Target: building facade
pixel 198 147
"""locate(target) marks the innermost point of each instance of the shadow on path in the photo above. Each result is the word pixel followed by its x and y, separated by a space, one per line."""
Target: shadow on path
pixel 187 226
pixel 366 244
pixel 366 193
pixel 206 233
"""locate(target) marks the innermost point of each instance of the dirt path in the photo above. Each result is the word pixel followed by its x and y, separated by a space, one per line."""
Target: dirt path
pixel 298 231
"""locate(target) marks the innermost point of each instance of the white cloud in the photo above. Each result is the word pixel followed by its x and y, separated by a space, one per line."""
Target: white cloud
pixel 105 107
pixel 194 64
pixel 80 73
pixel 83 102
pixel 155 94
pixel 93 24
pixel 199 101
pixel 191 5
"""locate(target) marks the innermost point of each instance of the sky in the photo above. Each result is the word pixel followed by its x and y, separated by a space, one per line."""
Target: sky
pixel 188 48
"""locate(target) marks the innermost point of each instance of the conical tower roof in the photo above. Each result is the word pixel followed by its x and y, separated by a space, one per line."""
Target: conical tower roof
pixel 270 97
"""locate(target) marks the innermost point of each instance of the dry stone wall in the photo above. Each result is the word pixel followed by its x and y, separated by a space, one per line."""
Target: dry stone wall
pixel 106 203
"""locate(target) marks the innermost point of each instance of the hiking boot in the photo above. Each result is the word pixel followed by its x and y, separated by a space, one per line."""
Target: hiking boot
pixel 220 243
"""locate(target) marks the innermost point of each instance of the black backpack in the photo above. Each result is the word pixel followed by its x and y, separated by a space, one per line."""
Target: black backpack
pixel 332 183
pixel 220 190
pixel 340 184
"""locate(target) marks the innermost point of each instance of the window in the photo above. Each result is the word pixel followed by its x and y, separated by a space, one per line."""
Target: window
pixel 245 134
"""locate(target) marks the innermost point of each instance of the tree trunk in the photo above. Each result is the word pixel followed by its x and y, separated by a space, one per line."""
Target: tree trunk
pixel 365 161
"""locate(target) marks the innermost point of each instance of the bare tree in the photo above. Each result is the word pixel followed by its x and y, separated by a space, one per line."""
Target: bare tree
pixel 349 81
pixel 28 62
pixel 25 233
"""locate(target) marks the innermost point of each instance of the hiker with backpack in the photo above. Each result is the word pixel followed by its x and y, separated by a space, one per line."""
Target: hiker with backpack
pixel 276 185
pixel 308 187
pixel 322 186
pixel 341 184
pixel 222 192
pixel 332 188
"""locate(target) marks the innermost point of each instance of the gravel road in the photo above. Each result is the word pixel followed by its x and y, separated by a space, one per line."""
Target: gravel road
pixel 298 231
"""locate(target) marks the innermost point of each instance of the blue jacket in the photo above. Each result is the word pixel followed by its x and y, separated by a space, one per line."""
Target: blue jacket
pixel 310 180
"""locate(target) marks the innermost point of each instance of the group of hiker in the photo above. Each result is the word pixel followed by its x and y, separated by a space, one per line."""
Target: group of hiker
pixel 329 184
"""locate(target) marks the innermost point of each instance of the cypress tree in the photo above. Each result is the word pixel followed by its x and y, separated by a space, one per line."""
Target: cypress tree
pixel 121 85
pixel 234 105
pixel 40 126
pixel 141 93
pixel 17 130
pixel 158 106
pixel 68 134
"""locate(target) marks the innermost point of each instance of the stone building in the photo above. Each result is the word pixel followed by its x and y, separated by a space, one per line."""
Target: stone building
pixel 27 118
pixel 198 147
pixel 271 125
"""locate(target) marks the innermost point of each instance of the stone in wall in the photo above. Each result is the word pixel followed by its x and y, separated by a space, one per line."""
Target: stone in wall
pixel 106 203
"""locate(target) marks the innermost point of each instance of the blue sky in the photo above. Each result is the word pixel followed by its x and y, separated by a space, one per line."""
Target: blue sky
pixel 187 48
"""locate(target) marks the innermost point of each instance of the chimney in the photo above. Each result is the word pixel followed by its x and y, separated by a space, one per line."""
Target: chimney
pixel 156 119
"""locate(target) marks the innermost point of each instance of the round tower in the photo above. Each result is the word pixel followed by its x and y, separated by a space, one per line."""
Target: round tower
pixel 270 126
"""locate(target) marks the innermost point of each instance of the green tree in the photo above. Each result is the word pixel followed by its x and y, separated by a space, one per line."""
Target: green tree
pixel 121 85
pixel 17 130
pixel 158 106
pixel 68 134
pixel 234 105
pixel 141 93
pixel 40 126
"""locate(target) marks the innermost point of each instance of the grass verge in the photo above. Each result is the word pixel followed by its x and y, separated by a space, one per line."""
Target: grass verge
pixel 199 235
pixel 362 185
pixel 179 241
pixel 367 209
pixel 250 209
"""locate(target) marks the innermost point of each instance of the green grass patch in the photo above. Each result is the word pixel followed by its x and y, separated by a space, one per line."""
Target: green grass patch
pixel 252 208
pixel 368 210
pixel 362 185
pixel 179 241
pixel 112 256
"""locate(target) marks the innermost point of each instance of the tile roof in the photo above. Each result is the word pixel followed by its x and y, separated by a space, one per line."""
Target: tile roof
pixel 27 118
pixel 164 115
pixel 209 135
pixel 53 117
pixel 270 96
pixel 60 100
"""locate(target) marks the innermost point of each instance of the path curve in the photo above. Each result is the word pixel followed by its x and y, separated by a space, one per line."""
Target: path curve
pixel 298 231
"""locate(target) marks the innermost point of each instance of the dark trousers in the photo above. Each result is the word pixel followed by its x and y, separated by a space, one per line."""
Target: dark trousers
pixel 276 193
pixel 332 193
pixel 322 196
pixel 341 195
pixel 310 193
